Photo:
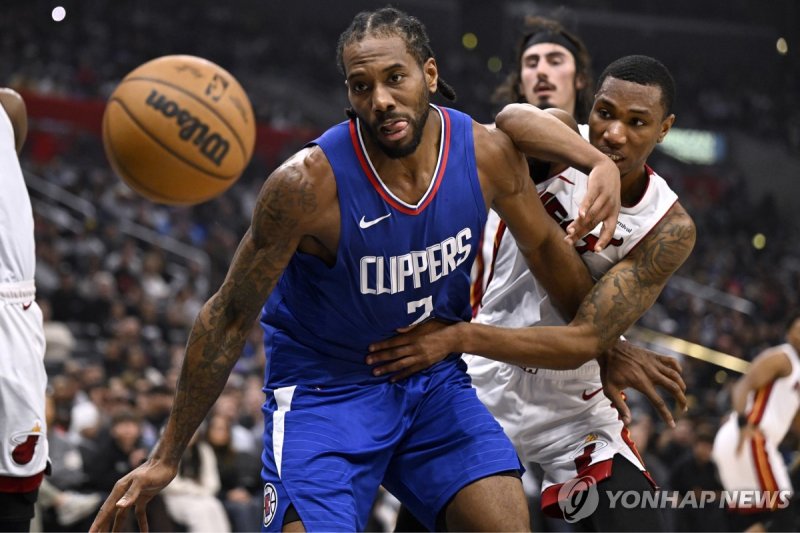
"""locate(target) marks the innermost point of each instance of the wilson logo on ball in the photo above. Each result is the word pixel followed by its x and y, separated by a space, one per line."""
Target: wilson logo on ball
pixel 213 146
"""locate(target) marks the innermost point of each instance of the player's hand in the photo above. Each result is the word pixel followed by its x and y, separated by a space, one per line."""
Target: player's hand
pixel 601 204
pixel 413 350
pixel 627 365
pixel 134 490
pixel 746 434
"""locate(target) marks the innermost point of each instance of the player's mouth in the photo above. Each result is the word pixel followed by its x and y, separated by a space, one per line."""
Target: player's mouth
pixel 543 89
pixel 394 130
pixel 616 157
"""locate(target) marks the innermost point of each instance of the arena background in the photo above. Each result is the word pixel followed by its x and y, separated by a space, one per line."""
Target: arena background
pixel 121 278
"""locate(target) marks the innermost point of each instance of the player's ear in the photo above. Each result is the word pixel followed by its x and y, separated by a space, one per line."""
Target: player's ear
pixel 431 72
pixel 580 82
pixel 666 125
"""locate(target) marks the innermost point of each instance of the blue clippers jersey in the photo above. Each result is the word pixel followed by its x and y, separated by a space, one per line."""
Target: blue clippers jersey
pixel 396 264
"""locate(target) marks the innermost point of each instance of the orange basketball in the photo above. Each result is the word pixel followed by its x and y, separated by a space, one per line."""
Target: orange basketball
pixel 179 130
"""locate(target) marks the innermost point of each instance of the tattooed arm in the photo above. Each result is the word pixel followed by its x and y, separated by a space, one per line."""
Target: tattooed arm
pixel 615 302
pixel 296 209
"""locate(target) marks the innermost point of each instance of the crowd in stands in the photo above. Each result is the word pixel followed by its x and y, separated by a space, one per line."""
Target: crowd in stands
pixel 740 82
pixel 118 308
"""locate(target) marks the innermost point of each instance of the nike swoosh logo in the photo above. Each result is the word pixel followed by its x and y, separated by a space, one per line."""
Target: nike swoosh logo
pixel 363 224
pixel 589 396
pixel 26 306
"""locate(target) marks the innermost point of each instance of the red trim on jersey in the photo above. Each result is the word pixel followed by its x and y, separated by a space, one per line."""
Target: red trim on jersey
pixel 477 289
pixel 583 460
pixel 562 178
pixel 761 461
pixel 759 405
pixel 626 437
pixel 376 183
pixel 599 471
pixel 20 484
pixel 649 173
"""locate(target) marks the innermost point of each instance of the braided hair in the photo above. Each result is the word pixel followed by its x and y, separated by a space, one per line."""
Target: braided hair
pixel 390 22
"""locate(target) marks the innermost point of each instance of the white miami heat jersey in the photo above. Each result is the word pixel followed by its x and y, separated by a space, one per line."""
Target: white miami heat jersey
pixel 759 465
pixel 23 442
pixel 513 296
pixel 482 267
pixel 17 252
pixel 773 406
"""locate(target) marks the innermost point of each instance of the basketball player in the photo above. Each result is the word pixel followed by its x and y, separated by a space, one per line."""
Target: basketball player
pixel 23 448
pixel 559 418
pixel 553 71
pixel 765 401
pixel 372 227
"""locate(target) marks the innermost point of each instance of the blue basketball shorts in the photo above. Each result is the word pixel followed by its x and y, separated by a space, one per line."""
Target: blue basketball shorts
pixel 327 449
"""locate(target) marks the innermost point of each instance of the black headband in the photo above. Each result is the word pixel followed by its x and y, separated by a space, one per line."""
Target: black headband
pixel 548 36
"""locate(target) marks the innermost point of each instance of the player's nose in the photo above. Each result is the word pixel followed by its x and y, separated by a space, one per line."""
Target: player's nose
pixel 382 99
pixel 615 133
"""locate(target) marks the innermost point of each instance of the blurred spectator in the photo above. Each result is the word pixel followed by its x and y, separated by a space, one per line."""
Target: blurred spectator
pixel 117 451
pixel 696 472
pixel 191 497
pixel 59 340
pixel 229 405
pixel 240 478
pixel 155 406
pixel 61 504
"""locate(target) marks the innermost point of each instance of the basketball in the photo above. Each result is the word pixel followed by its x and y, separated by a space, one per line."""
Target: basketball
pixel 179 130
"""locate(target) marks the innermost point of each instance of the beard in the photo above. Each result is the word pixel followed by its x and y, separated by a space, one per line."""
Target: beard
pixel 417 124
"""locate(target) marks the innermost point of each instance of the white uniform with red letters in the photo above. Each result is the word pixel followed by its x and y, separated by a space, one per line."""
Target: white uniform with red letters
pixel 559 419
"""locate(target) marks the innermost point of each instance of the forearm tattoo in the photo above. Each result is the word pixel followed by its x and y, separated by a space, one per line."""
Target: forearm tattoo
pixel 628 290
pixel 219 333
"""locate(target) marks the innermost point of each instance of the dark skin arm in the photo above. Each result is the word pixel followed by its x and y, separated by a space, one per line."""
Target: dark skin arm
pixel 296 209
pixel 507 187
pixel 14 106
pixel 618 299
pixel 627 365
pixel 542 135
pixel 768 366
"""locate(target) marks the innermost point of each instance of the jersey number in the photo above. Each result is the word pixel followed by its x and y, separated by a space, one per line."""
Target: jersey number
pixel 427 309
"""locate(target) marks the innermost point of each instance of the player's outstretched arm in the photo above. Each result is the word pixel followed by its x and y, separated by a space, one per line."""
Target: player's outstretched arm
pixel 769 365
pixel 511 192
pixel 615 302
pixel 540 135
pixel 291 204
